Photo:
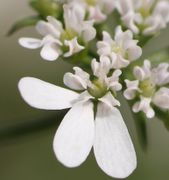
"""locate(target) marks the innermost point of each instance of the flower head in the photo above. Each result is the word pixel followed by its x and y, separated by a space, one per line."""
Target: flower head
pixel 122 50
pixel 82 129
pixel 145 16
pixel 149 88
pixel 58 40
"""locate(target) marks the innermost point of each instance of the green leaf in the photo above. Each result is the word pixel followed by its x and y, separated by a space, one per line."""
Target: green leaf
pixel 29 21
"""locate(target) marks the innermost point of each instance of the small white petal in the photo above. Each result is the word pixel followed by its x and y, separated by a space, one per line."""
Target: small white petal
pixel 161 98
pixel 109 100
pixel 96 14
pixel 79 72
pixel 45 28
pixel 154 24
pixel 113 81
pixel 75 135
pixel 141 73
pixel 118 61
pixel 103 48
pixel 134 52
pixel 30 43
pixel 162 8
pixel 88 32
pixel 50 52
pixel 113 147
pixel 74 47
pixel 102 68
pixel 74 82
pixel 122 37
pixel 57 24
pixel 129 20
pixel 132 87
pixel 160 74
pixel 144 106
pixel 107 38
pixel 84 97
pixel 124 6
pixel 43 95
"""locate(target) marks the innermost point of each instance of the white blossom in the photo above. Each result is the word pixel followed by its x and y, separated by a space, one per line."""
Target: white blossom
pixel 96 10
pixel 148 87
pixel 80 129
pixel 122 50
pixel 55 37
pixel 145 16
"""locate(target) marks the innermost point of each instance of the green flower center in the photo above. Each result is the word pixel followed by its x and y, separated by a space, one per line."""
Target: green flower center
pixel 99 88
pixel 147 87
pixel 68 34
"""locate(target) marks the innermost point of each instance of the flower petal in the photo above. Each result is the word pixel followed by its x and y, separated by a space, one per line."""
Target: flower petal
pixel 30 43
pixel 88 32
pixel 74 47
pixel 110 100
pixel 161 98
pixel 74 82
pixel 50 52
pixel 74 138
pixel 113 147
pixel 45 28
pixel 43 95
pixel 132 88
pixel 144 105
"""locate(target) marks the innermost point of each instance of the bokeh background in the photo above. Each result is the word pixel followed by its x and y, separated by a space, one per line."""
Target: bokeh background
pixel 27 153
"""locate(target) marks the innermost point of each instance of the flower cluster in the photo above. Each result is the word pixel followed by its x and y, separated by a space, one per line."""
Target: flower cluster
pixel 144 16
pixel 150 87
pixel 78 132
pixel 58 40
pixel 122 50
pixel 96 10
pixel 94 119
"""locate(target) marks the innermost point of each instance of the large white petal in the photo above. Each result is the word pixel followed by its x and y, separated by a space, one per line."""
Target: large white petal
pixel 43 95
pixel 74 138
pixel 113 147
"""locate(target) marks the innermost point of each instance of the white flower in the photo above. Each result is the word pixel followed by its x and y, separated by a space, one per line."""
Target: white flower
pixel 147 17
pixel 96 10
pixel 56 38
pixel 122 50
pixel 148 87
pixel 80 129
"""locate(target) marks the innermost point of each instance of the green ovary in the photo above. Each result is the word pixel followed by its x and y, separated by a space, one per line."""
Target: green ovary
pixel 99 88
pixel 147 87
pixel 68 34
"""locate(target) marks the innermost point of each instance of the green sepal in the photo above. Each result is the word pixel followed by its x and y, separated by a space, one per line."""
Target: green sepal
pixel 26 22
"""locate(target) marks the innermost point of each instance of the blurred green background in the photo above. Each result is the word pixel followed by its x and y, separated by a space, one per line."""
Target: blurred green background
pixel 28 154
